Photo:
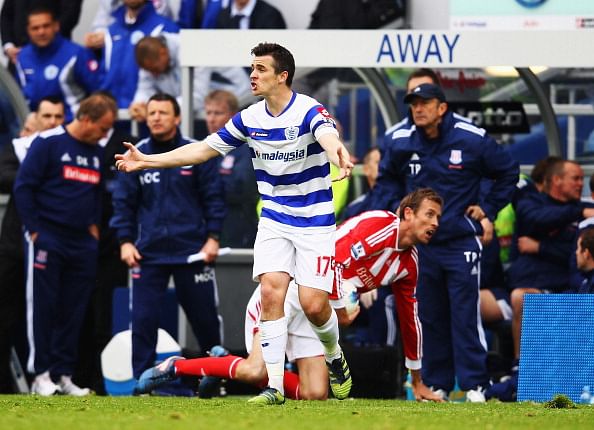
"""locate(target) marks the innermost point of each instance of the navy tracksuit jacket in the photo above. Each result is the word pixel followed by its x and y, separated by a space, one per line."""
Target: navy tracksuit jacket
pixel 554 225
pixel 453 164
pixel 587 285
pixel 168 214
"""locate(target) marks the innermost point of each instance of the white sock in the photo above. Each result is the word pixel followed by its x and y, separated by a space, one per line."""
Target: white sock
pixel 328 335
pixel 273 338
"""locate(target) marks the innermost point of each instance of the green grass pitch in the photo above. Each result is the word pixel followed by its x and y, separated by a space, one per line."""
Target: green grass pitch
pixel 231 413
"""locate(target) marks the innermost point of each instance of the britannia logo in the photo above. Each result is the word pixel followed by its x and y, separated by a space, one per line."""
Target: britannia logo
pixel 292 133
pixel 456 156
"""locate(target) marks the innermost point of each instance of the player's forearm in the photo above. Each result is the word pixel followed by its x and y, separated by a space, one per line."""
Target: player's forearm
pixel 192 153
pixel 332 145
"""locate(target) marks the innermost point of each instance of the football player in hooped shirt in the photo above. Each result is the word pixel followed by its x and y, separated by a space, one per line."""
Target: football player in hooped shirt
pixel 294 139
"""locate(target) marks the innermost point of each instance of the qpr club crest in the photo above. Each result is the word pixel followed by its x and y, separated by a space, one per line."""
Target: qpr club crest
pixel 456 156
pixel 292 133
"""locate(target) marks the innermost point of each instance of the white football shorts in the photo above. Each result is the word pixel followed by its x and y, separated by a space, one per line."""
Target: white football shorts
pixel 307 258
pixel 302 342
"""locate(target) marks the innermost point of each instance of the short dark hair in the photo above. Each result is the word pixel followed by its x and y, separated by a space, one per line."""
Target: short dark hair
pixel 370 151
pixel 556 168
pixel 148 49
pixel 95 106
pixel 41 10
pixel 424 72
pixel 539 171
pixel 587 237
pixel 415 199
pixel 55 100
pixel 283 59
pixel 164 97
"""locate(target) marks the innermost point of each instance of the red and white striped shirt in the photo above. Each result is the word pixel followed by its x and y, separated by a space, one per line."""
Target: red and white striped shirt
pixel 367 254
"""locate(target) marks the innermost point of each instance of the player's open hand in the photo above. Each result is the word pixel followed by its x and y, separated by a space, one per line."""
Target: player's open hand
pixel 131 160
pixel 345 164
pixel 345 318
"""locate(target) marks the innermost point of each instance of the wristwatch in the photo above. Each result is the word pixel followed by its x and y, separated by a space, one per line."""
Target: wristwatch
pixel 214 236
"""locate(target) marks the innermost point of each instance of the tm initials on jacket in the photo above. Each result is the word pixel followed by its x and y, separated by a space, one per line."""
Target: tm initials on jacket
pixel 168 213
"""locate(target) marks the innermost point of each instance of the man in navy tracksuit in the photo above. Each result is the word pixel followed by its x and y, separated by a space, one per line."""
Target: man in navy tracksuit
pixel 58 197
pixel 544 237
pixel 51 65
pixel 161 217
pixel 451 156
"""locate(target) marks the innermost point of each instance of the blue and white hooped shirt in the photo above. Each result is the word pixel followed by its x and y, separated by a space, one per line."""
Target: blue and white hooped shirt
pixel 292 169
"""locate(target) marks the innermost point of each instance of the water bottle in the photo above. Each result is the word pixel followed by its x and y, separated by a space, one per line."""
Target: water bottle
pixel 586 396
pixel 408 388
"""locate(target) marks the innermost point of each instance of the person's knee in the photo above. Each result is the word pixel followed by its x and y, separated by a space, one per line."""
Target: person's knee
pixel 314 307
pixel 315 303
pixel 517 299
pixel 272 296
pixel 317 392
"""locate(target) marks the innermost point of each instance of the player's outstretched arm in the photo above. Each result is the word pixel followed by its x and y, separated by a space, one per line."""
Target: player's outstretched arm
pixel 192 153
pixel 338 154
